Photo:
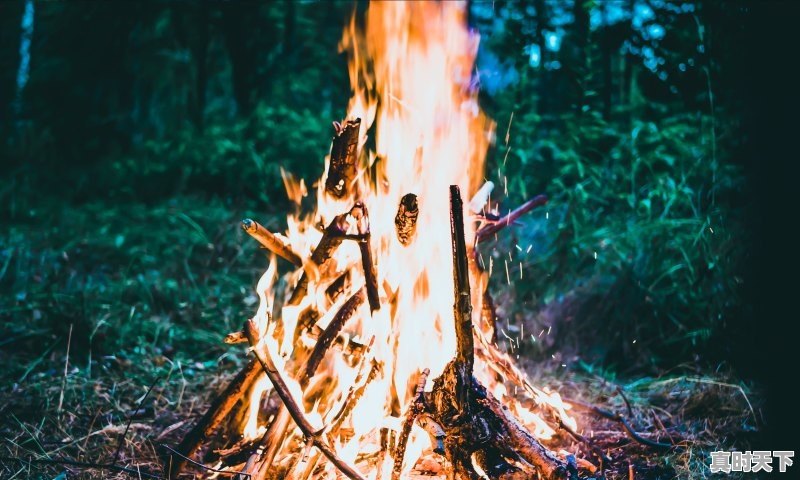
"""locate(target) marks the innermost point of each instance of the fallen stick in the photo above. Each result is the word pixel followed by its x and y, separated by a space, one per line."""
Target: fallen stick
pixel 416 407
pixel 330 333
pixel 487 231
pixel 265 360
pixel 270 241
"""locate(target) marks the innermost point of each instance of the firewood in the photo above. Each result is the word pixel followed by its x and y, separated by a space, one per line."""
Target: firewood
pixel 262 354
pixel 332 237
pixel 344 155
pixel 338 287
pixel 462 306
pixel 405 221
pixel 331 332
pixel 490 229
pixel 416 407
pixel 270 241
pixel 359 212
pixel 221 407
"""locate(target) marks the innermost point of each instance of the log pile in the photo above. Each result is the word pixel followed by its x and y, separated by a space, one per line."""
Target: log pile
pixel 471 431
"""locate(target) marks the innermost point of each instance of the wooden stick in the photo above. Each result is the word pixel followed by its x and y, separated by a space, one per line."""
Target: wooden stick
pixel 344 153
pixel 265 360
pixel 270 241
pixel 331 332
pixel 621 420
pixel 487 231
pixel 360 213
pixel 332 237
pixel 462 308
pixel 525 445
pixel 220 408
pixel 338 286
pixel 417 407
pixel 405 222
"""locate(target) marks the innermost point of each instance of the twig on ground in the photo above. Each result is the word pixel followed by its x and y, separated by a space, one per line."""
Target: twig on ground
pixel 130 419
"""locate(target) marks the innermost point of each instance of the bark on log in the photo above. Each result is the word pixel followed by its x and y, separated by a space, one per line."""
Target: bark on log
pixel 344 155
pixel 270 241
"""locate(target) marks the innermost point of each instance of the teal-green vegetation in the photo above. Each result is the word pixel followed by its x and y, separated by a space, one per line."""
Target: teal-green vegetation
pixel 137 135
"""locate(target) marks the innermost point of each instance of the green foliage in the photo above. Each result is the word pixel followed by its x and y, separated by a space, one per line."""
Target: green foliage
pixel 242 159
pixel 648 217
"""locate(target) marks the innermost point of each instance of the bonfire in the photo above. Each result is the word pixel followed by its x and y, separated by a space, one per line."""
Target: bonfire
pixel 376 357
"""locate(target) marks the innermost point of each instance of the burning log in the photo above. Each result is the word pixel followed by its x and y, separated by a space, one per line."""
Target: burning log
pixel 405 221
pixel 359 212
pixel 495 226
pixel 462 308
pixel 208 426
pixel 332 237
pixel 270 241
pixel 435 431
pixel 342 170
pixel 473 420
pixel 338 286
pixel 281 388
pixel 414 410
pixel 331 332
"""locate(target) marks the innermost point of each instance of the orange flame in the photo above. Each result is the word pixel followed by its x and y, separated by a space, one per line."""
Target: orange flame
pixel 411 73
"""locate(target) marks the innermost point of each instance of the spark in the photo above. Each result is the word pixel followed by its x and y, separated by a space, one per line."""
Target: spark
pixel 529 249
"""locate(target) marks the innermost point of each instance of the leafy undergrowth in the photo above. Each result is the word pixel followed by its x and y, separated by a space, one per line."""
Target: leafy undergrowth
pixel 113 319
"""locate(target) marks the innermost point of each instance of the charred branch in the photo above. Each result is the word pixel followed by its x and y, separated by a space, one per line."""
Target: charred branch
pixel 462 307
pixel 270 241
pixel 487 231
pixel 332 237
pixel 361 215
pixel 331 332
pixel 416 407
pixel 344 154
pixel 338 287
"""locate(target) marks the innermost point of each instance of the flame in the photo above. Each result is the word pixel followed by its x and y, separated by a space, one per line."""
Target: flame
pixel 411 72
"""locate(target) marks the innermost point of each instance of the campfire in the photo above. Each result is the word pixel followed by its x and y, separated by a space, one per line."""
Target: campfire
pixel 376 356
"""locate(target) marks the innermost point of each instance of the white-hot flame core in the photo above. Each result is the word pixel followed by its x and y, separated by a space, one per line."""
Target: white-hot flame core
pixel 411 74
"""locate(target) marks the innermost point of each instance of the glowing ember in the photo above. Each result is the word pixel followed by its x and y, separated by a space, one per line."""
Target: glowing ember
pixel 411 74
